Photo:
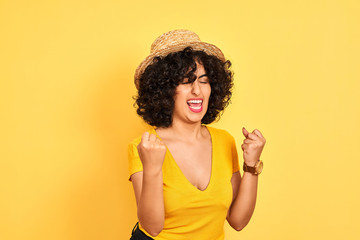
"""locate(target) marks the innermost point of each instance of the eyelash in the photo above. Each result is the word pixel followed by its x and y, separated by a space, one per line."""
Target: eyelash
pixel 190 82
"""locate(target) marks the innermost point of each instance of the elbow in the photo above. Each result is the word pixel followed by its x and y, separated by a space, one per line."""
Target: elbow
pixel 153 224
pixel 154 232
pixel 240 222
pixel 240 226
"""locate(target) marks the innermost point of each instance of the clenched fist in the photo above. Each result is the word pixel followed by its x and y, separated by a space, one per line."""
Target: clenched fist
pixel 252 147
pixel 151 151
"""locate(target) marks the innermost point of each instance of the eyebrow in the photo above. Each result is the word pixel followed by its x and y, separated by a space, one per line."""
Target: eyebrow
pixel 204 75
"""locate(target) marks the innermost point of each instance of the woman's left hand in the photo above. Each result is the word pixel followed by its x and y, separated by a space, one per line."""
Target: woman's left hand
pixel 252 147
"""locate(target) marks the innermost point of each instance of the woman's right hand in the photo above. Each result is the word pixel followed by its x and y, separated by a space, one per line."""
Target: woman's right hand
pixel 151 151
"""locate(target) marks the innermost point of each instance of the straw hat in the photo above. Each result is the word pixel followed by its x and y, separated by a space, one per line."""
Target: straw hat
pixel 174 41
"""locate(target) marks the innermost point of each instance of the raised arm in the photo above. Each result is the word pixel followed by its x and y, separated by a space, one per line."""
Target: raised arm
pixel 245 188
pixel 148 184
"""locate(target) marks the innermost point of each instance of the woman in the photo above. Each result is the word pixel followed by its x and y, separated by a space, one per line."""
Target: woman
pixel 185 174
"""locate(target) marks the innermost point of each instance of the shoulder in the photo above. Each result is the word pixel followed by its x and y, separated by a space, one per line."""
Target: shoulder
pixel 221 134
pixel 137 139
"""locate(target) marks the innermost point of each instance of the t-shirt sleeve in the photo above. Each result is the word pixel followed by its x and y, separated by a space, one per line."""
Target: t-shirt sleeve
pixel 235 159
pixel 135 164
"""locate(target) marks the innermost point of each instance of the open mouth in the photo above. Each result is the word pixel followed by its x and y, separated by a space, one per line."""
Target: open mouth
pixel 195 105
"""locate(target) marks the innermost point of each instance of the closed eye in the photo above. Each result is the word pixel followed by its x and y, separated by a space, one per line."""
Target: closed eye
pixel 191 82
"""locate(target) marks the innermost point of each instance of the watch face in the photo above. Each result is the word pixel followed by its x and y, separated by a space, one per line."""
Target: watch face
pixel 259 167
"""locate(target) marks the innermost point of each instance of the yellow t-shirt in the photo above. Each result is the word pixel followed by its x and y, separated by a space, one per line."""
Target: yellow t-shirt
pixel 189 212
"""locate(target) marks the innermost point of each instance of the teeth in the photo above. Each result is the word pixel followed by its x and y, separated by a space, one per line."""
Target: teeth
pixel 195 101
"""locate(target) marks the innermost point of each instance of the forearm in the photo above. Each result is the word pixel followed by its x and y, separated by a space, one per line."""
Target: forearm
pixel 244 204
pixel 151 211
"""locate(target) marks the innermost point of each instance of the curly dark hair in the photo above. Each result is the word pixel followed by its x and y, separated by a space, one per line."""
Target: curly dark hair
pixel 155 99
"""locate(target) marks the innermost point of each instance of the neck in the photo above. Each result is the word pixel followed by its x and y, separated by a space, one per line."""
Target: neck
pixel 185 131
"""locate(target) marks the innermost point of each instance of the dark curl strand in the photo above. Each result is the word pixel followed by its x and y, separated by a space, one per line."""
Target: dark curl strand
pixel 155 99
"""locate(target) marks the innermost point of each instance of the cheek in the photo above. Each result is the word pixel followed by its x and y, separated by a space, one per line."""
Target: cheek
pixel 179 101
pixel 208 92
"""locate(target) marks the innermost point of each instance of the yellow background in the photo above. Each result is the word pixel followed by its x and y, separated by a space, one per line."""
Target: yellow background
pixel 66 71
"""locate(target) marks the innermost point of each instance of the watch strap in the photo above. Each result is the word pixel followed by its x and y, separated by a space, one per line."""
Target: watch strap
pixel 247 168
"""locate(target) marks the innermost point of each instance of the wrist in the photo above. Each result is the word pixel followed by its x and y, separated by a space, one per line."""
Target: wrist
pixel 252 168
pixel 250 163
pixel 250 174
pixel 152 172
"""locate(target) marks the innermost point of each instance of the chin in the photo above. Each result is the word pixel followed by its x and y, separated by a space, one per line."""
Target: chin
pixel 196 119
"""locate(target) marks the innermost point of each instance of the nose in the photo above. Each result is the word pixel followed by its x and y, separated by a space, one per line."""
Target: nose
pixel 196 87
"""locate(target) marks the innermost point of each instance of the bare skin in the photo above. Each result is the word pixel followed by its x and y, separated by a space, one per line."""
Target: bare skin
pixel 245 188
pixel 196 164
pixel 148 184
pixel 186 132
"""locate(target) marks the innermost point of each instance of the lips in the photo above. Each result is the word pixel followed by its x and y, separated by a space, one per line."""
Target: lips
pixel 195 104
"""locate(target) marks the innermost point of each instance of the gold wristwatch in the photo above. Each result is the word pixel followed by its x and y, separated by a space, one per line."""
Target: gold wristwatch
pixel 256 170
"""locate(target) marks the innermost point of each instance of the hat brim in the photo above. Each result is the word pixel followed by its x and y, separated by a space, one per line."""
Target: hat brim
pixel 198 46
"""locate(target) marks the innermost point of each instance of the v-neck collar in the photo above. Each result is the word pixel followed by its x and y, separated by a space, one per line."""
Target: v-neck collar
pixel 212 162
